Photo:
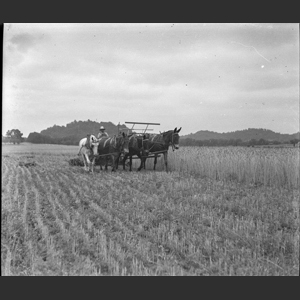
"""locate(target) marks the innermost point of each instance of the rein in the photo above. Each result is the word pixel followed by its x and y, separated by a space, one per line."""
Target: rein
pixel 121 144
pixel 144 141
pixel 172 143
pixel 107 154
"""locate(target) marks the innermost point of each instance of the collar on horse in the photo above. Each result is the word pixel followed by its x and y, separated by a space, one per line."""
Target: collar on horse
pixel 89 146
pixel 113 144
pixel 164 144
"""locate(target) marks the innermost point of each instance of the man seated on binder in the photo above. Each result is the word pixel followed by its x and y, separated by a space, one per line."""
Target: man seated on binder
pixel 102 133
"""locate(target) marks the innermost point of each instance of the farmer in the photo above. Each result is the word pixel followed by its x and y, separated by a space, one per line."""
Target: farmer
pixel 102 133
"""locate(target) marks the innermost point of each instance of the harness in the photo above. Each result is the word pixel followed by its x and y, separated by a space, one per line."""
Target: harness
pixel 172 143
pixel 137 138
pixel 164 144
pixel 143 141
pixel 111 141
pixel 106 142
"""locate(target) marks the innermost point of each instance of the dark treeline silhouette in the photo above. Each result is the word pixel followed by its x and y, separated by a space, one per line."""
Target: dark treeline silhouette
pixel 73 132
pixel 244 135
pixel 232 142
pixel 13 136
pixel 80 129
pixel 37 138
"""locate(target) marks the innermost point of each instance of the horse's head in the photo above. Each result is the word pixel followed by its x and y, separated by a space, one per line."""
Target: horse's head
pixel 93 139
pixel 175 138
pixel 123 142
pixel 171 137
pixel 94 143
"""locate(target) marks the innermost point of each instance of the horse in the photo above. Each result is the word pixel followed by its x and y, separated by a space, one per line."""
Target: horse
pixel 138 145
pixel 112 147
pixel 88 148
pixel 159 143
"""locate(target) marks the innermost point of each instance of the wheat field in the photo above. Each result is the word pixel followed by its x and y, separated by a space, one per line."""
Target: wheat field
pixel 219 211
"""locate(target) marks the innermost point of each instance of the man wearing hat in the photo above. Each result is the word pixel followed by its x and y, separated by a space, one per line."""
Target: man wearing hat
pixel 102 133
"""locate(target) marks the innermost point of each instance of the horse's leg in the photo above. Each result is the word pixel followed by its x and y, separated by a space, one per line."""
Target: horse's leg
pixel 130 163
pixel 124 160
pixel 88 163
pixel 93 163
pixel 117 161
pixel 100 163
pixel 84 161
pixel 106 162
pixel 144 157
pixel 141 165
pixel 166 160
pixel 113 163
pixel 155 161
pixel 79 152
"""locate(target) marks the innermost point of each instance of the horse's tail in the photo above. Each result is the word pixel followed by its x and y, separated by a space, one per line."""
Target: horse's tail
pixel 79 151
pixel 88 141
pixel 81 145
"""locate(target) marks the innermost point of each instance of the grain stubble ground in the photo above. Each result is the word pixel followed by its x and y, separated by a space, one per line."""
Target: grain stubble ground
pixel 61 220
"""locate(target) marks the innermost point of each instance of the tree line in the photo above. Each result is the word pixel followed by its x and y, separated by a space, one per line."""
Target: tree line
pixel 15 136
pixel 37 138
pixel 233 142
pixel 73 140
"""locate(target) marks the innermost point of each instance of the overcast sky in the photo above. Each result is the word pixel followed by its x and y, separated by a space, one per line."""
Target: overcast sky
pixel 217 77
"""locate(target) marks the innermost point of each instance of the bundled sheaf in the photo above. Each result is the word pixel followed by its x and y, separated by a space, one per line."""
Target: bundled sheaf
pixel 76 162
pixel 27 164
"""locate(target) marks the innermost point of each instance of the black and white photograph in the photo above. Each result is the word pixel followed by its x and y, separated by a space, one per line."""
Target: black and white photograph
pixel 150 149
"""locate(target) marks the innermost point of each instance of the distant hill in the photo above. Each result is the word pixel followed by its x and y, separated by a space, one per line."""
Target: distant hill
pixel 76 130
pixel 244 135
pixel 73 132
pixel 79 129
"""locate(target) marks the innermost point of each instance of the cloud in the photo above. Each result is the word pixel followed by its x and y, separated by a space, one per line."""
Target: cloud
pixel 23 41
pixel 255 80
pixel 168 73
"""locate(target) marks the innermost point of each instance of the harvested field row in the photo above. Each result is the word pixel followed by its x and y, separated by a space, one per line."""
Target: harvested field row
pixel 58 219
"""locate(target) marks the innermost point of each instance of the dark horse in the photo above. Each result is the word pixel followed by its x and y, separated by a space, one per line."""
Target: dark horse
pixel 138 145
pixel 159 143
pixel 112 147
